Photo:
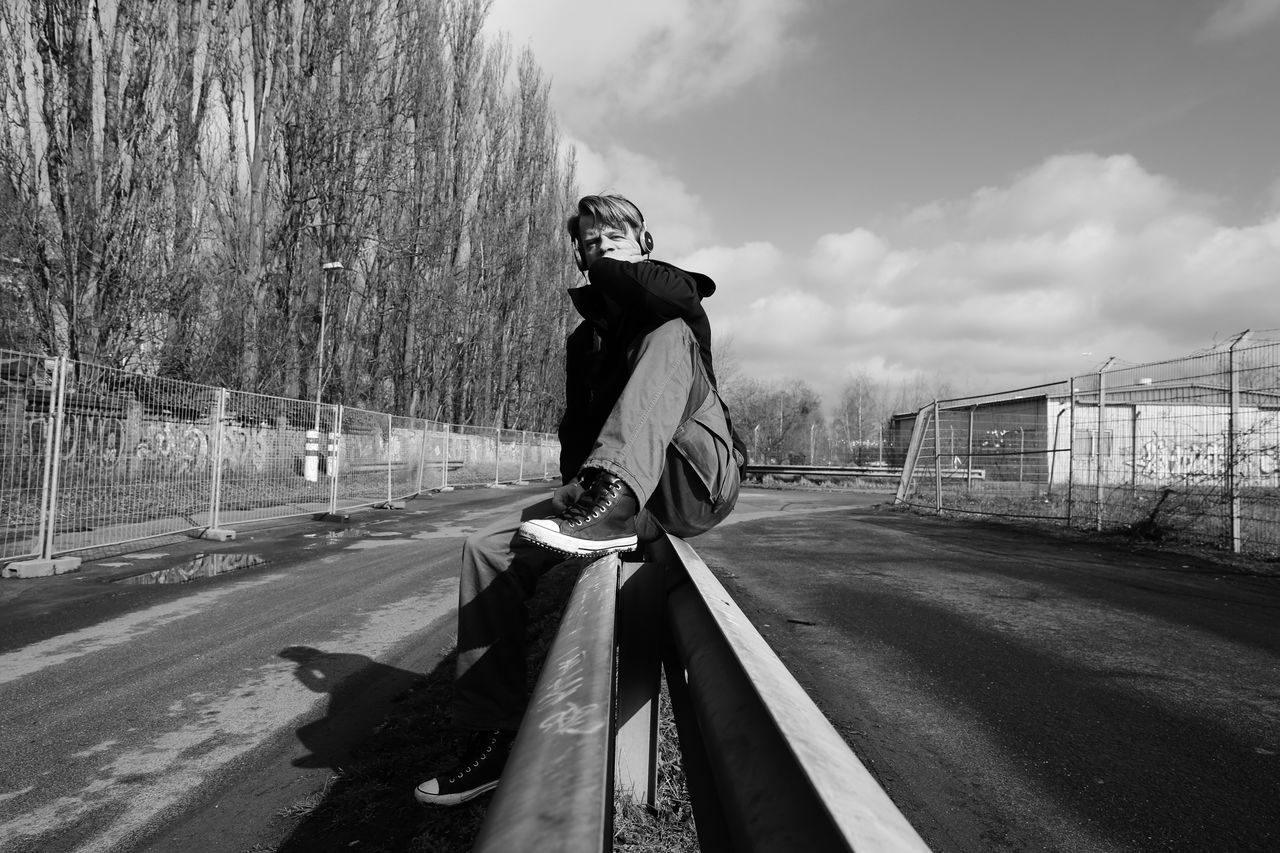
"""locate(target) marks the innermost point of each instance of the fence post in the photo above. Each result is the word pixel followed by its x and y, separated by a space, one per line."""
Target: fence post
pixel 389 427
pixel 335 448
pixel 1071 450
pixel 937 457
pixel 524 448
pixel 444 459
pixel 45 564
pixel 47 484
pixel 1233 444
pixel 422 453
pixel 969 455
pixel 215 530
pixel 53 464
pixel 1102 422
pixel 1133 450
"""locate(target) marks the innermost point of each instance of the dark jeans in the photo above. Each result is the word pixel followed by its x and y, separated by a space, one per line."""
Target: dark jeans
pixel 668 439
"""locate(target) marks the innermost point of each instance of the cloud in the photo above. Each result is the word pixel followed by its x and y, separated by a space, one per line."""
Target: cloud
pixel 678 219
pixel 1004 288
pixel 659 58
pixel 1237 18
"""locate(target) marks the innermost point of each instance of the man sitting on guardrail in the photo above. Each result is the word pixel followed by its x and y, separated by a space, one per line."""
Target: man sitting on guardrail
pixel 646 444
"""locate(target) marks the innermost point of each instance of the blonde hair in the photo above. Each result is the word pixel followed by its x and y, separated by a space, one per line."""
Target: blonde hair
pixel 607 209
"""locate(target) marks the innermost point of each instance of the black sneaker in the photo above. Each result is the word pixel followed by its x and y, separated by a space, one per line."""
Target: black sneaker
pixel 601 522
pixel 478 772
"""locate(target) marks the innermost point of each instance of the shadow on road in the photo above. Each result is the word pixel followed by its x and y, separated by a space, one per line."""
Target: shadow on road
pixel 387 729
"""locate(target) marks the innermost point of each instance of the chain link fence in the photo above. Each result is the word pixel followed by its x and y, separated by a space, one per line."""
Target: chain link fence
pixel 1185 450
pixel 92 457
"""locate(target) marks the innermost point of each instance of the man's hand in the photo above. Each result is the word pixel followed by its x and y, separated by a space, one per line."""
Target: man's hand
pixel 567 495
pixel 629 252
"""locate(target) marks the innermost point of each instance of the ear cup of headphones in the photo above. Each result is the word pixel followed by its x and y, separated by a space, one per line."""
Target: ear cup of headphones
pixel 577 256
pixel 646 243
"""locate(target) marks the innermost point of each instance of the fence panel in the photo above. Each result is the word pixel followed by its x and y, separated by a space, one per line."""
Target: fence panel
pixel 1253 458
pixel 998 455
pixel 133 457
pixel 26 435
pixel 263 460
pixel 369 454
pixel 1149 449
pixel 1186 449
pixel 94 456
pixel 473 448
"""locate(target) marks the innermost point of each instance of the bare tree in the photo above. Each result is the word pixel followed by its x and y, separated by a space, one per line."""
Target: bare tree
pixel 179 170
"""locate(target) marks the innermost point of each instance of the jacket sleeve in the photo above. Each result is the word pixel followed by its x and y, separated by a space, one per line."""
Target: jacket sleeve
pixel 647 288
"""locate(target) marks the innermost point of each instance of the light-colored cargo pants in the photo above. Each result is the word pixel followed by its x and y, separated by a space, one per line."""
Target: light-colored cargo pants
pixel 668 439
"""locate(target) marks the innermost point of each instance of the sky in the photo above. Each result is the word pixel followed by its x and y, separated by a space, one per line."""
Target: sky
pixel 990 193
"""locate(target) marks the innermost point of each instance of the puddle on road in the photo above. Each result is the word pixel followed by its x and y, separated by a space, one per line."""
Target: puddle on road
pixel 329 536
pixel 203 566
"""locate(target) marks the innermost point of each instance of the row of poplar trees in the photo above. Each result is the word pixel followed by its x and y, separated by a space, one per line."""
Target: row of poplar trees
pixel 182 178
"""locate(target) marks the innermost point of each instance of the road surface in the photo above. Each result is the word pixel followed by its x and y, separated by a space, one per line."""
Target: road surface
pixel 1012 691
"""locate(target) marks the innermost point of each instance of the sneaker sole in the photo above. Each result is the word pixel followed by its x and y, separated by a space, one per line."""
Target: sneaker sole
pixel 567 545
pixel 453 799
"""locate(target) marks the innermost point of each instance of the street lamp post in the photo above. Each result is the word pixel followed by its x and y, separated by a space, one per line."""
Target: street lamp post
pixel 328 267
pixel 312 463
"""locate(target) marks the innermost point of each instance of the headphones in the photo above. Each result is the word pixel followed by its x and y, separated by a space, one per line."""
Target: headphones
pixel 644 238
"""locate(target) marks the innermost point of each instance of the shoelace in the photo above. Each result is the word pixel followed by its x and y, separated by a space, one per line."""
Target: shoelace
pixel 579 513
pixel 473 766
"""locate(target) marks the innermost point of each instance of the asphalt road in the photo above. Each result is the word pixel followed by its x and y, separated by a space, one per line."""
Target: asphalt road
pixel 184 717
pixel 1012 691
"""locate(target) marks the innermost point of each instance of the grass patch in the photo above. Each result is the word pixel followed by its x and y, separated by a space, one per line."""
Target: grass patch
pixel 669 826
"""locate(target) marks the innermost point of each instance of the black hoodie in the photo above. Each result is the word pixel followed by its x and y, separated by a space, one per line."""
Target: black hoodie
pixel 623 302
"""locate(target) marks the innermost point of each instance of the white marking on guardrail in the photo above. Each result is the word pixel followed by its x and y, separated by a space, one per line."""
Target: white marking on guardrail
pixel 570 718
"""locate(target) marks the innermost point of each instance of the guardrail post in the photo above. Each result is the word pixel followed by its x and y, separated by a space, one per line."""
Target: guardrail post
pixel 640 625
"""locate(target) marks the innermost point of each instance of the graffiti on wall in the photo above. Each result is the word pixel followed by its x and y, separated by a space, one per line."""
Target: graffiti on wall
pixel 125 445
pixel 1165 459
pixel 1162 459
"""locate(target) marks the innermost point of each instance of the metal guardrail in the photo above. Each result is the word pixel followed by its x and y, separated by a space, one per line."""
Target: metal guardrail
pixel 826 472
pixel 767 772
pixel 556 793
pixel 866 472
